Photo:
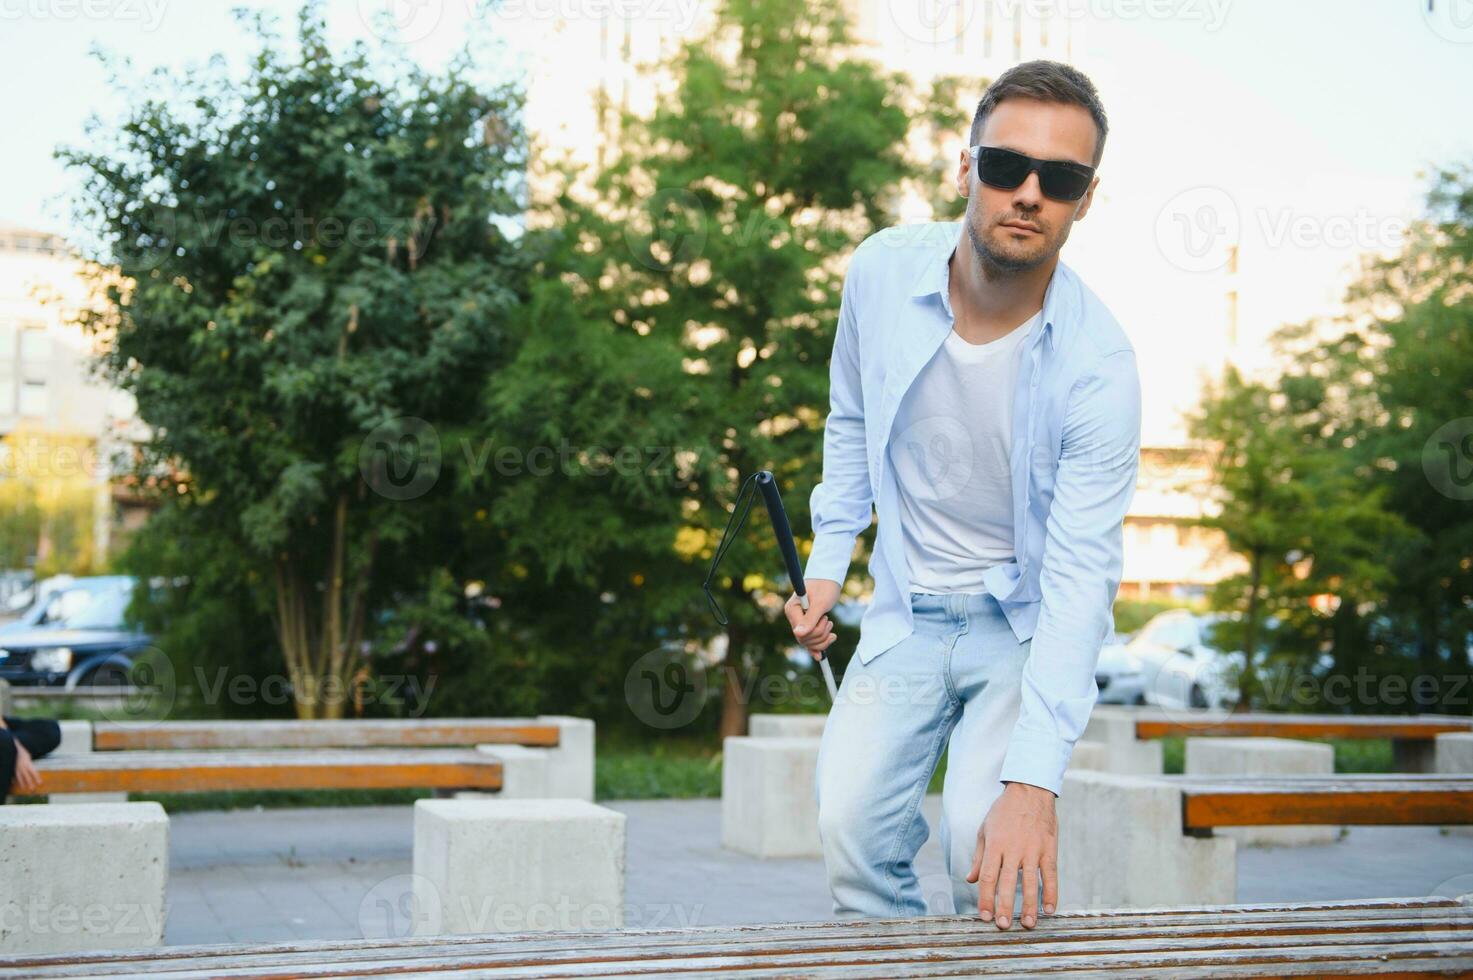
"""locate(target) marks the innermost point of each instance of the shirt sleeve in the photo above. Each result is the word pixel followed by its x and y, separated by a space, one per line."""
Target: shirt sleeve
pixel 841 504
pixel 1080 573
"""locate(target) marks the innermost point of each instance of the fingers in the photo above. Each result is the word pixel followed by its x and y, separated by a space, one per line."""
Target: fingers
pixel 1007 891
pixel 987 865
pixel 26 778
pixel 1030 893
pixel 1050 880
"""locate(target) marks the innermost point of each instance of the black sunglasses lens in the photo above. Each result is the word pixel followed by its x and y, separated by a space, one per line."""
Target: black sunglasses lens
pixel 1063 183
pixel 1001 168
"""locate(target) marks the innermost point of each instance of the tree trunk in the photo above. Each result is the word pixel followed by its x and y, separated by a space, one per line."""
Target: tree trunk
pixel 1247 680
pixel 322 651
pixel 733 704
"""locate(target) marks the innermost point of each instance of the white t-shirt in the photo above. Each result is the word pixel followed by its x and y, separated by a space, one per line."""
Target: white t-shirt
pixel 953 436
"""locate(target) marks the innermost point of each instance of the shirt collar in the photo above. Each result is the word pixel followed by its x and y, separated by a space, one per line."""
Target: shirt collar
pixel 935 278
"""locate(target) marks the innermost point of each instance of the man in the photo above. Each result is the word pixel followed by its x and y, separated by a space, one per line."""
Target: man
pixel 987 404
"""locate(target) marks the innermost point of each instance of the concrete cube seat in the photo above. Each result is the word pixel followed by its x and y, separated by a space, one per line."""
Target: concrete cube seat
pixel 75 878
pixel 768 807
pixel 1213 756
pixel 787 726
pixel 1121 846
pixel 1124 753
pixel 530 865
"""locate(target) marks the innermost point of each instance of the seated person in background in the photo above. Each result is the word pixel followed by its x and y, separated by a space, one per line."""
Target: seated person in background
pixel 22 741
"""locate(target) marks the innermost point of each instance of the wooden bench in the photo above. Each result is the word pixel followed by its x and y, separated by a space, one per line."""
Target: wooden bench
pixel 1356 799
pixel 1412 736
pixel 345 734
pixel 203 772
pixel 1412 937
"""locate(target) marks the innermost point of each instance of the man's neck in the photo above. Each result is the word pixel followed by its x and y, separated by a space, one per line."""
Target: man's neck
pixel 990 302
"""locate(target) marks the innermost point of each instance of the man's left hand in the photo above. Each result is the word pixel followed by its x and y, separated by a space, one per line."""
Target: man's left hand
pixel 1021 831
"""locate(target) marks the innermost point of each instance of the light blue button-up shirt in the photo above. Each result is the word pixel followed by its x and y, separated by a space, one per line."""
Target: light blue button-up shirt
pixel 1075 452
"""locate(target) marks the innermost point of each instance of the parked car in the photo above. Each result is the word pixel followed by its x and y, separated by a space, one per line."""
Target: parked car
pixel 1180 667
pixel 26 606
pixel 1120 675
pixel 74 636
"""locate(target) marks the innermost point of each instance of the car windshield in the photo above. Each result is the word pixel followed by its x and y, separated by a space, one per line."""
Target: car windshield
pixel 88 609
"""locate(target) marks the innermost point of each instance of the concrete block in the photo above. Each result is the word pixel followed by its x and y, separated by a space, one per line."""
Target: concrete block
pixel 1124 753
pixel 768 807
pixel 517 866
pixel 1089 754
pixel 1121 846
pixel 525 773
pixel 1454 753
pixel 1211 756
pixel 787 726
pixel 570 772
pixel 76 878
pixel 76 739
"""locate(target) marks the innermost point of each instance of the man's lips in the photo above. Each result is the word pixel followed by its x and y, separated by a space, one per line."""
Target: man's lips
pixel 1020 226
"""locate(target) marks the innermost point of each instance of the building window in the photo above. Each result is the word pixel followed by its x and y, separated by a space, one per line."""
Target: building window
pixel 33 400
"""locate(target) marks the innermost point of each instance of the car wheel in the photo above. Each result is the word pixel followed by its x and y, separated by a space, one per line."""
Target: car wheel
pixel 107 675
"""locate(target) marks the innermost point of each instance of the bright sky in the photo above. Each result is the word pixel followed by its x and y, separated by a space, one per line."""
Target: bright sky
pixel 1301 129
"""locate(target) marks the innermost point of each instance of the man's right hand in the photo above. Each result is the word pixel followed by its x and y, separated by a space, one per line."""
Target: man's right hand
pixel 27 779
pixel 813 628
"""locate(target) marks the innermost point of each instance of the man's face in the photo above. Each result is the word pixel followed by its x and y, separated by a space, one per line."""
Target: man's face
pixel 1021 228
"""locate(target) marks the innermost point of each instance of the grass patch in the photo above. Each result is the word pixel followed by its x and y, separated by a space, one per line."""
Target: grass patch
pixel 667 768
pixel 1351 754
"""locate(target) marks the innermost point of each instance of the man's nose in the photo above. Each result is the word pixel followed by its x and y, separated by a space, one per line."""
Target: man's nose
pixel 1028 194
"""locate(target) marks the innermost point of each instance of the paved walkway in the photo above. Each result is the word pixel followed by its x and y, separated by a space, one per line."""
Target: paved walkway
pixel 259 876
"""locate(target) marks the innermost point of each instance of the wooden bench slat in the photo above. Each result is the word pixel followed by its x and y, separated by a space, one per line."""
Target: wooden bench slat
pixel 1259 724
pixel 966 943
pixel 1309 914
pixel 347 734
pixel 1416 954
pixel 1373 799
pixel 198 772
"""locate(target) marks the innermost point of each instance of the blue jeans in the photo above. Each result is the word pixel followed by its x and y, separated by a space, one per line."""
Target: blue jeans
pixel 953 684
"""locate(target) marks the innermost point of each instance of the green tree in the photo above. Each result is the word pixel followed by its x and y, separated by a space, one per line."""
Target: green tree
pixel 685 315
pixel 305 286
pixel 1293 508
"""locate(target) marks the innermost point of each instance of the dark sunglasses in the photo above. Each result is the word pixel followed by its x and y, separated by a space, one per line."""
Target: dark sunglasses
pixel 1063 180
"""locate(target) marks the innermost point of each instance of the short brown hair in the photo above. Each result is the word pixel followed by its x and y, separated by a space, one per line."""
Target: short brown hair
pixel 1047 81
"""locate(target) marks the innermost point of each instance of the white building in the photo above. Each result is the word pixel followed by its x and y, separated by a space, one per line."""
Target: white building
pixel 58 421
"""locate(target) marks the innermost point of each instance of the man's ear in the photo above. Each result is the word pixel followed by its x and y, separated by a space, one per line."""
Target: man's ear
pixel 1087 199
pixel 964 173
